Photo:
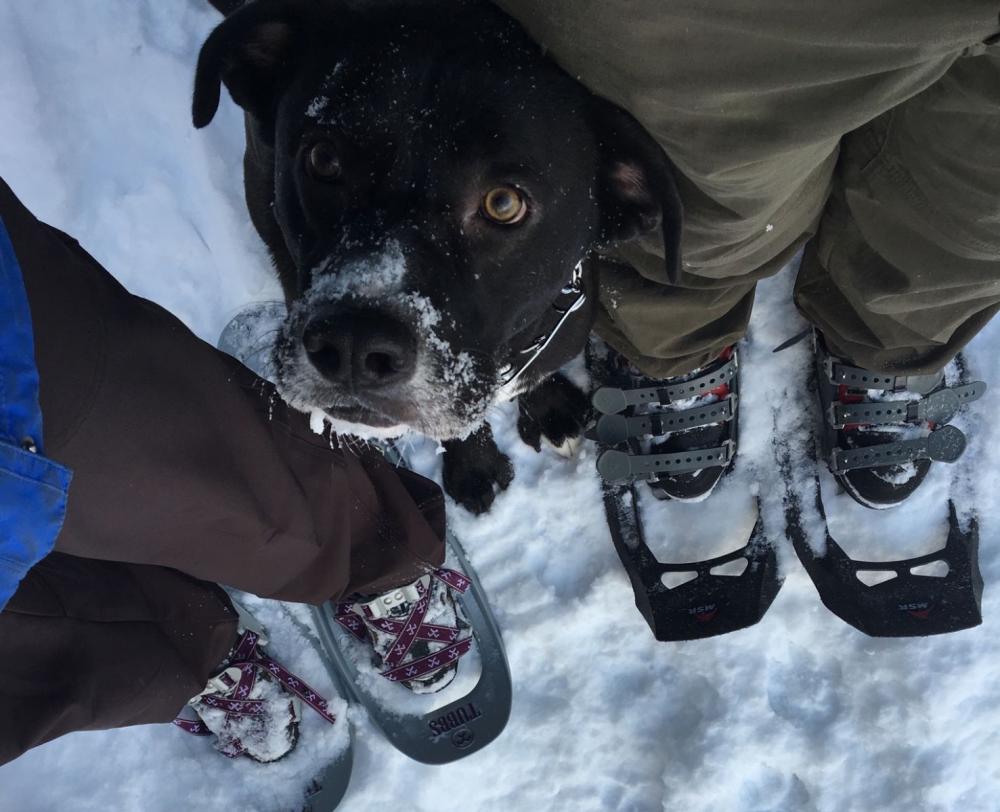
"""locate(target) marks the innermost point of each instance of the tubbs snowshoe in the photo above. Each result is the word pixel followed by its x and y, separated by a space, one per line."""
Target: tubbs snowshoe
pixel 882 432
pixel 470 716
pixel 248 710
pixel 677 437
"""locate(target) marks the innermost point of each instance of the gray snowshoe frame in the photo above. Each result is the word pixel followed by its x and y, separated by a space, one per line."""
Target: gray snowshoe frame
pixel 463 726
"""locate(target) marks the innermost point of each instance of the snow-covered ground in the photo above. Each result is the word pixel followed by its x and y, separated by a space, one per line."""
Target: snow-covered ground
pixel 799 713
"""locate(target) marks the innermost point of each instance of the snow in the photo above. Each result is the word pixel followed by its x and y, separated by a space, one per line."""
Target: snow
pixel 798 713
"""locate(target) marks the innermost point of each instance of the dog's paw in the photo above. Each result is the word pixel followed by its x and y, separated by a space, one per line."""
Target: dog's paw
pixel 475 471
pixel 555 413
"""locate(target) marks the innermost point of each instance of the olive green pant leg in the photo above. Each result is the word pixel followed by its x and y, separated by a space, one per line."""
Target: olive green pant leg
pixel 750 99
pixel 906 266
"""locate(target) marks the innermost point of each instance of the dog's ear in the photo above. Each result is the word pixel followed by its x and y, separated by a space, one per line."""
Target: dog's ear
pixel 255 53
pixel 638 192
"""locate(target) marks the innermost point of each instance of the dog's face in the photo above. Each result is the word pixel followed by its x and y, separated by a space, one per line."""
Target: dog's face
pixel 427 182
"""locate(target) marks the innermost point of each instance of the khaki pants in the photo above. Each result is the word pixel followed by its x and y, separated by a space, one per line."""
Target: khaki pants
pixel 874 128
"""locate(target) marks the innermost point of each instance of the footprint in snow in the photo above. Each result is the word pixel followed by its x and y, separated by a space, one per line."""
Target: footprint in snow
pixel 803 693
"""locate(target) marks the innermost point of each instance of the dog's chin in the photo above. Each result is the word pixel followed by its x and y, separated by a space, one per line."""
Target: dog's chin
pixel 361 416
pixel 374 424
pixel 386 420
pixel 373 427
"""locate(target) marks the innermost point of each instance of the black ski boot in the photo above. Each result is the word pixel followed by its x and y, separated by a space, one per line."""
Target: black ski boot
pixel 881 432
pixel 679 434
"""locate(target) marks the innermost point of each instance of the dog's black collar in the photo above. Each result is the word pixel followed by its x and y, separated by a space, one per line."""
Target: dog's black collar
pixel 571 298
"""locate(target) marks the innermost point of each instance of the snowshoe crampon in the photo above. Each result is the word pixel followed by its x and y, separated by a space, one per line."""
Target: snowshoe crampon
pixel 680 601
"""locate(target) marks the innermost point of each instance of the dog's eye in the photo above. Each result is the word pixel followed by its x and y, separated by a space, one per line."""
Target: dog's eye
pixel 505 205
pixel 323 162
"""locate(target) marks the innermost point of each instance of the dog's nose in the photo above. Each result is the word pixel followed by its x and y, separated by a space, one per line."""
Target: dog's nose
pixel 363 349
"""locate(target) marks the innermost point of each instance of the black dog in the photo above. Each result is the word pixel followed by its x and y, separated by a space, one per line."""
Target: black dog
pixel 429 186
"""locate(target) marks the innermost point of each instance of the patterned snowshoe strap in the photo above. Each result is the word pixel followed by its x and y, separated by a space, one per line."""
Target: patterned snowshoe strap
pixel 614 429
pixel 406 632
pixel 617 466
pixel 248 659
pixel 942 445
pixel 938 407
pixel 610 400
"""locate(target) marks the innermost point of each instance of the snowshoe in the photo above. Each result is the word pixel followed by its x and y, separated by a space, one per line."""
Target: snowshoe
pixel 916 600
pixel 431 733
pixel 677 437
pixel 882 432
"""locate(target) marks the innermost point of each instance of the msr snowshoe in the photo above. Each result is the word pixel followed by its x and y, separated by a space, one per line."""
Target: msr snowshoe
pixel 678 437
pixel 882 432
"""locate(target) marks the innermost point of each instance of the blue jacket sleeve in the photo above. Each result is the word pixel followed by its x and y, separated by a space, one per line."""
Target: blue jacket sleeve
pixel 33 489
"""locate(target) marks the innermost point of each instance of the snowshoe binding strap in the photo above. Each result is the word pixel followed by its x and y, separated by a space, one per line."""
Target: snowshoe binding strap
pixel 617 466
pixel 614 429
pixel 228 691
pixel 915 601
pixel 945 444
pixel 612 400
pixel 408 630
pixel 858 378
pixel 938 407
